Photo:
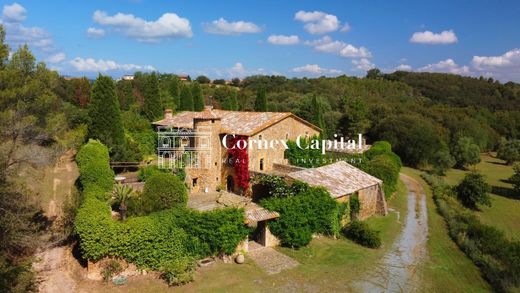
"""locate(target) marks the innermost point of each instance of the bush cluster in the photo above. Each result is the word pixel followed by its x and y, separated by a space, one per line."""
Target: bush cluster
pixel 497 257
pixel 161 191
pixel 361 233
pixel 303 211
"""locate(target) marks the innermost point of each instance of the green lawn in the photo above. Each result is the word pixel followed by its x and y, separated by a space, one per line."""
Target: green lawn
pixel 447 269
pixel 505 210
pixel 325 265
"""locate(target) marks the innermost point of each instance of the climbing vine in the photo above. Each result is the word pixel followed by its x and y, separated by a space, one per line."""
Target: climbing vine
pixel 240 163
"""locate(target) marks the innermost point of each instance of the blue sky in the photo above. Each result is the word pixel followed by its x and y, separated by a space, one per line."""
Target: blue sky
pixel 225 39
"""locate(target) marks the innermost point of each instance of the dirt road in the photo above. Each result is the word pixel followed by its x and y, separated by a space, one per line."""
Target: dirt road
pixel 398 269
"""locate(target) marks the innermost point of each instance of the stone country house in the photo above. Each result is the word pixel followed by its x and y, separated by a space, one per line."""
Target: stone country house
pixel 212 171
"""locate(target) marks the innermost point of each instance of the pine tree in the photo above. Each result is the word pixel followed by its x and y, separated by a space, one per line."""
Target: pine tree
pixel 173 89
pixel 105 115
pixel 186 103
pixel 152 104
pixel 317 115
pixel 198 99
pixel 261 100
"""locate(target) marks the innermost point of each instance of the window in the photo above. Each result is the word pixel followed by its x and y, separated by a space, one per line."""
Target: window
pixel 286 136
pixel 260 137
pixel 194 182
pixel 306 134
pixel 261 164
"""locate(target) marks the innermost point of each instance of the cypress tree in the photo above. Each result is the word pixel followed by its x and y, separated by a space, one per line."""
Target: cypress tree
pixel 186 99
pixel 317 115
pixel 105 114
pixel 152 104
pixel 261 100
pixel 198 99
pixel 173 89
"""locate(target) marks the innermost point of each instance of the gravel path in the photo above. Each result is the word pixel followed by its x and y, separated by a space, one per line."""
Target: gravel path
pixel 398 269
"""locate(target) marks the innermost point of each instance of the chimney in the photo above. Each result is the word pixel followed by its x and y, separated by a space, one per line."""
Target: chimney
pixel 168 114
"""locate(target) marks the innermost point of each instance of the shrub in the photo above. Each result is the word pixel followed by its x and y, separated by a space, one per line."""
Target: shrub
pixel 93 162
pixel 355 206
pixel 509 151
pixel 147 171
pixel 361 233
pixel 161 191
pixel 378 148
pixel 110 269
pixel 301 215
pixel 473 190
pixel 178 271
pixel 515 179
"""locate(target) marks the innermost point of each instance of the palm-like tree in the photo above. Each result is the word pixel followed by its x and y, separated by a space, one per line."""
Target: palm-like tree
pixel 120 195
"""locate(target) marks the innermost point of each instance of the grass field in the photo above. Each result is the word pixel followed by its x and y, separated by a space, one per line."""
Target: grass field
pixel 505 210
pixel 447 269
pixel 325 265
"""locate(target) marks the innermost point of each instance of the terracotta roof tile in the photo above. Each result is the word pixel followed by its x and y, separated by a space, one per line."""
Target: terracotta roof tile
pixel 234 122
pixel 339 178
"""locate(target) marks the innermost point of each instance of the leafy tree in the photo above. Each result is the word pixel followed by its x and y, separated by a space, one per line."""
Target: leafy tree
pixel 355 117
pixel 198 99
pixel 509 151
pixel 219 82
pixel 4 48
pixel 186 103
pixel 235 81
pixel 82 91
pixel 473 190
pixel 515 179
pixel 152 104
pixel 466 152
pixel 442 161
pixel 374 73
pixel 231 102
pixel 105 115
pixel 202 79
pixel 261 100
pixel 125 94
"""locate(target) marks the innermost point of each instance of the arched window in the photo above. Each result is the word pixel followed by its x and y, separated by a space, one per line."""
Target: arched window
pixel 261 164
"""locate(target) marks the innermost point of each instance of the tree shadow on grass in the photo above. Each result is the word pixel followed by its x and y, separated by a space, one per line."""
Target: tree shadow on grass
pixel 497 163
pixel 505 192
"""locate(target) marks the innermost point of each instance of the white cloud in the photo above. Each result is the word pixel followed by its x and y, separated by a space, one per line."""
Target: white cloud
pixel 93 32
pixel 403 67
pixel 317 22
pixel 363 64
pixel 504 67
pixel 345 28
pixel 224 27
pixel 17 34
pixel 14 13
pixel 283 40
pixel 428 37
pixel 327 45
pixel 169 25
pixel 315 69
pixel 56 58
pixel 100 65
pixel 446 66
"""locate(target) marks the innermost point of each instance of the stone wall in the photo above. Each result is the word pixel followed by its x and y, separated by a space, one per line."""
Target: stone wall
pixel 372 202
pixel 287 129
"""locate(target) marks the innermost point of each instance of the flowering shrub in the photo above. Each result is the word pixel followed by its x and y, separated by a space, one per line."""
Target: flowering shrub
pixel 240 161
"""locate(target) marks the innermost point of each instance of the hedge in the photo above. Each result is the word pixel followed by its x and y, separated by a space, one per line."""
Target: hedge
pixel 361 233
pixel 168 241
pixel 93 162
pixel 497 257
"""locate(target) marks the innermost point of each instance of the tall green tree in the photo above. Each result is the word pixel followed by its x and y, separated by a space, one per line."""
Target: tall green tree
pixel 186 103
pixel 231 102
pixel 354 119
pixel 317 115
pixel 261 100
pixel 466 152
pixel 198 98
pixel 4 48
pixel 174 90
pixel 473 190
pixel 152 102
pixel 105 114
